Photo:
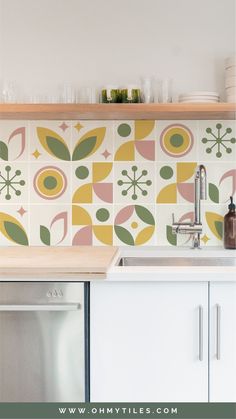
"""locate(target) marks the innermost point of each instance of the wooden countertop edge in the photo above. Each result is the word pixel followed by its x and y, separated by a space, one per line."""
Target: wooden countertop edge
pixel 22 271
pixel 45 276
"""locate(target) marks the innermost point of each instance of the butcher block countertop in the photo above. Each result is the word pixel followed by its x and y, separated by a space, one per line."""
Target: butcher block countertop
pixel 82 263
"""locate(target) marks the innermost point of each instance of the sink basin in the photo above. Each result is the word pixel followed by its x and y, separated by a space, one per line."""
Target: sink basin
pixel 176 261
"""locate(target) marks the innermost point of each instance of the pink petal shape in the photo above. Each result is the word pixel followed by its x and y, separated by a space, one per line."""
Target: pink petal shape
pixel 189 216
pixel 83 237
pixel 124 214
pixel 21 132
pixel 230 173
pixel 146 149
pixel 104 191
pixel 62 216
pixel 186 190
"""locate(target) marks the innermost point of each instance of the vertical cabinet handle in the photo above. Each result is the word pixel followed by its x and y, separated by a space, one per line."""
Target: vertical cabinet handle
pixel 218 331
pixel 200 338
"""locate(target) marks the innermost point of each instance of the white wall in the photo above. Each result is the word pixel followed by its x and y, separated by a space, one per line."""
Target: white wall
pixel 116 41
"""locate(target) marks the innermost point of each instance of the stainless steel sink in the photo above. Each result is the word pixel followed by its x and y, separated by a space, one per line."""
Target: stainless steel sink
pixel 176 261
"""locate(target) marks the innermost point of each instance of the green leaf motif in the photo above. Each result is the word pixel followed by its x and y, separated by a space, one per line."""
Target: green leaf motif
pixel 124 235
pixel 57 148
pixel 219 228
pixel 144 215
pixel 172 238
pixel 3 151
pixel 16 233
pixel 84 148
pixel 45 235
pixel 213 193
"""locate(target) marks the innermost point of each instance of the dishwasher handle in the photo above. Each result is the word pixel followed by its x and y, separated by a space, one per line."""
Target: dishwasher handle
pixel 40 307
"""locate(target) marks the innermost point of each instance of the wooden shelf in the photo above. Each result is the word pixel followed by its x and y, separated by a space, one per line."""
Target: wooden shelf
pixel 165 111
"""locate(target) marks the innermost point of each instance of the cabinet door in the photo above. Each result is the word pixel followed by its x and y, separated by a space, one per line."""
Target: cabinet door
pixel 146 342
pixel 223 342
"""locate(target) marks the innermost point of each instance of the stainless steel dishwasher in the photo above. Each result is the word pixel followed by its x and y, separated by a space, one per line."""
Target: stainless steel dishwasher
pixel 44 348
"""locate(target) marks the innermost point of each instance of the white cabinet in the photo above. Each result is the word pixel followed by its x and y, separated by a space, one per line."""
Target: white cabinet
pixel 149 342
pixel 223 342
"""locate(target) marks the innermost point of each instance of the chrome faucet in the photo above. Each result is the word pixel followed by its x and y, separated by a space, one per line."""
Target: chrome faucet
pixel 194 228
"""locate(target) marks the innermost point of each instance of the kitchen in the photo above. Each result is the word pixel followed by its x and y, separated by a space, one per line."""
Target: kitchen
pixel 117 164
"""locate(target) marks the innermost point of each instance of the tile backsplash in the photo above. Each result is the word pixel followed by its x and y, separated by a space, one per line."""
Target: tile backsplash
pixel 112 182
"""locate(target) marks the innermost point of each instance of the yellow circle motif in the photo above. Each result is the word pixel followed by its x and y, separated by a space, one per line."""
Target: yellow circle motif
pixel 134 224
pixel 50 182
pixel 176 140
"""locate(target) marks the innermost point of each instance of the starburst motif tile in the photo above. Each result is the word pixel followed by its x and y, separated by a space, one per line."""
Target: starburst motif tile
pixel 134 182
pixel 217 140
pixel 13 183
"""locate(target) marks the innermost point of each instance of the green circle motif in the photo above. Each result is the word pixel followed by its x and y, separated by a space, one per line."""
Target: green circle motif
pixel 82 172
pixel 50 182
pixel 176 140
pixel 102 215
pixel 166 172
pixel 124 130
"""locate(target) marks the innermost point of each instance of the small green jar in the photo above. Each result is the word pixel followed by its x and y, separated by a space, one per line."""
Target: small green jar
pixel 131 94
pixel 111 94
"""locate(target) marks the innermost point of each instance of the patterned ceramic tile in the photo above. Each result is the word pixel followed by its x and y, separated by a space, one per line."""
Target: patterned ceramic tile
pixel 13 140
pixel 134 140
pixel 217 141
pixel 50 183
pixel 212 220
pixel 92 141
pixel 14 228
pixel 134 182
pixel 92 225
pixel 13 182
pixel 97 182
pixel 177 140
pixel 92 182
pixel 50 225
pixel 221 181
pixel 134 225
pixel 175 182
pixel 50 140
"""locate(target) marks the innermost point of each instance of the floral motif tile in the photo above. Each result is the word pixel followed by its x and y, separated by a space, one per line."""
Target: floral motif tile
pixel 14 228
pixel 221 181
pixel 217 141
pixel 92 225
pixel 50 225
pixel 14 182
pixel 134 225
pixel 50 140
pixel 177 140
pixel 134 182
pixel 175 182
pixel 14 140
pixel 92 141
pixel 134 140
pixel 92 182
pixel 50 183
